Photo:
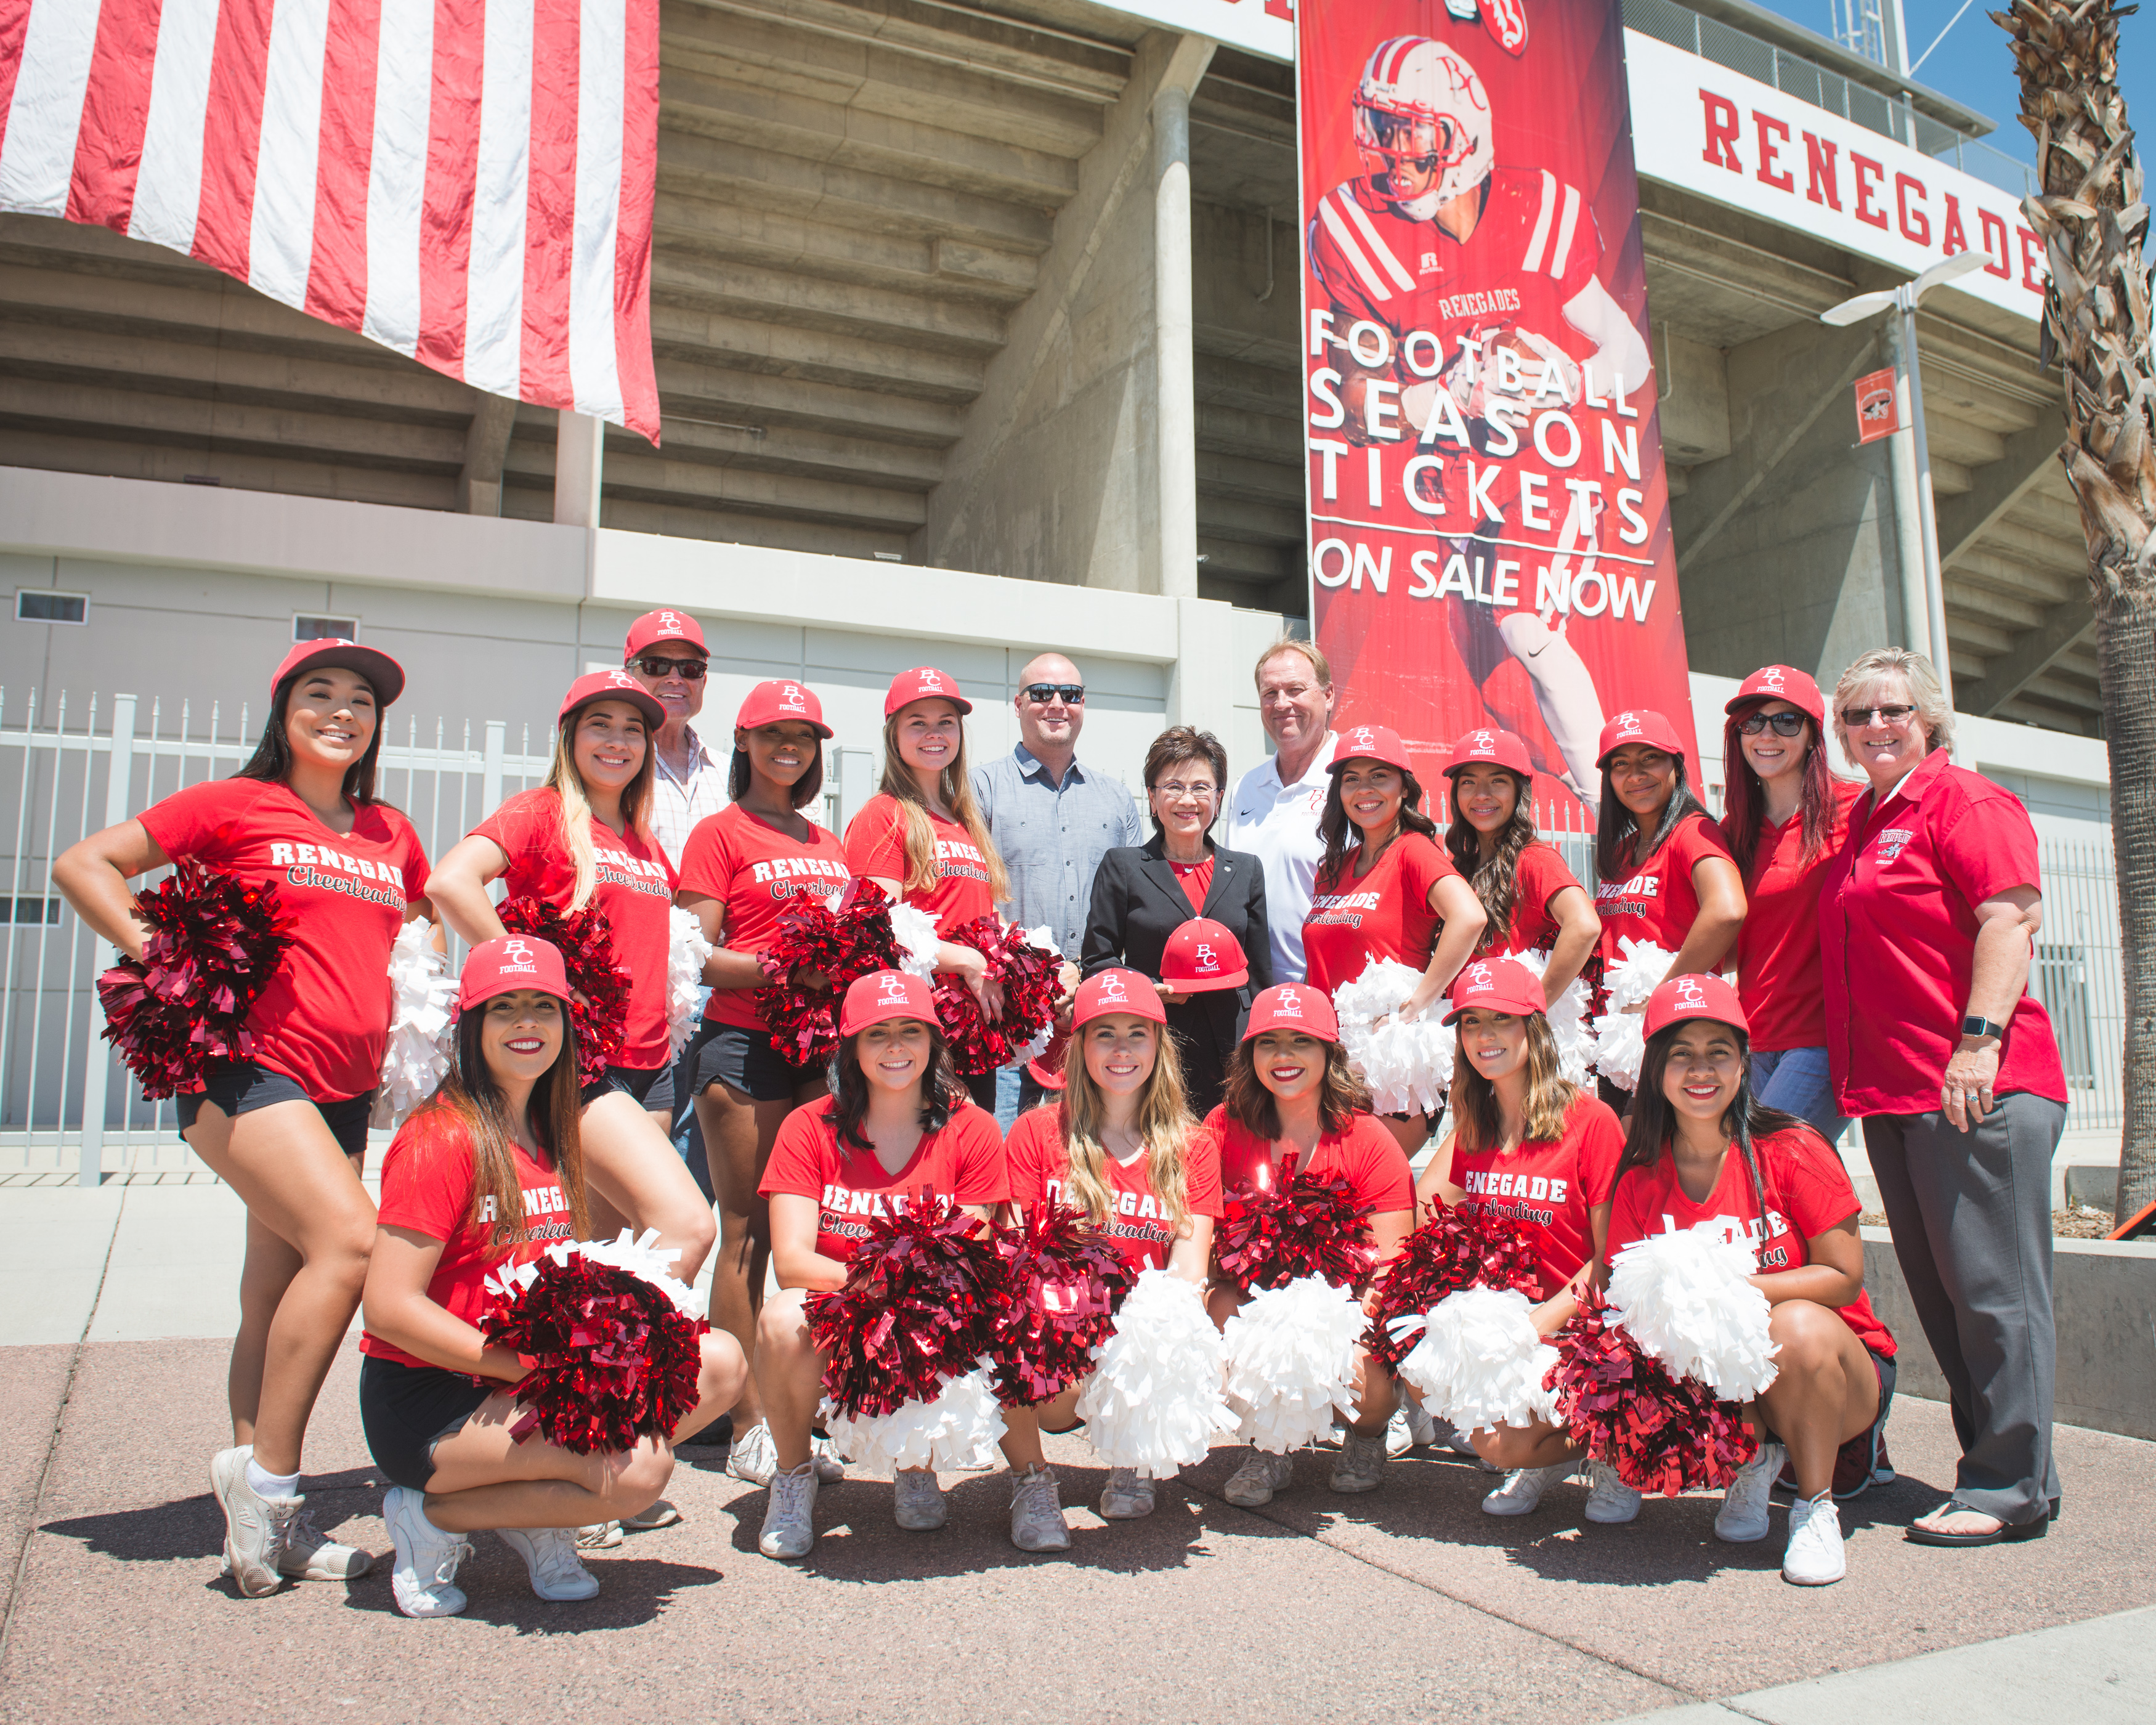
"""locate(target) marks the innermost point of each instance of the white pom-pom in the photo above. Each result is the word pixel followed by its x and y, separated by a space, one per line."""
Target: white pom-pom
pixel 959 1429
pixel 1567 1022
pixel 915 932
pixel 1408 1066
pixel 1153 1399
pixel 638 1254
pixel 1686 1297
pixel 417 1053
pixel 1480 1362
pixel 1291 1361
pixel 686 955
pixel 1619 1045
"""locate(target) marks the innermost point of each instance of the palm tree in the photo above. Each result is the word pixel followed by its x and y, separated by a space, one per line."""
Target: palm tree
pixel 2094 225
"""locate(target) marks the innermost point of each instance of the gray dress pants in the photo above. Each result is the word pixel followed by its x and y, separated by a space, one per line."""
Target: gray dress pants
pixel 1971 1213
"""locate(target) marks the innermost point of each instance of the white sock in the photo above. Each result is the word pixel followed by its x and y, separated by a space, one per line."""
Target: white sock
pixel 264 1484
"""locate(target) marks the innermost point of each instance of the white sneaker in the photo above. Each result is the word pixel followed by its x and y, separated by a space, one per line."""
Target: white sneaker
pixel 549 1559
pixel 424 1575
pixel 1128 1495
pixel 256 1529
pixel 1609 1500
pixel 1400 1431
pixel 1036 1512
pixel 1360 1466
pixel 754 1456
pixel 1814 1556
pixel 789 1519
pixel 1524 1489
pixel 657 1514
pixel 1742 1517
pixel 311 1555
pixel 1257 1479
pixel 917 1501
pixel 830 1465
pixel 1421 1426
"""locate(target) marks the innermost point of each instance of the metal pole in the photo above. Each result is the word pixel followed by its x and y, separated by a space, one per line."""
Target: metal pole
pixel 1935 603
pixel 1909 510
pixel 97 1062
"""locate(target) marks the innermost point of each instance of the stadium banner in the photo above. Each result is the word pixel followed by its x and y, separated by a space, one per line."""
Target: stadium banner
pixel 1489 511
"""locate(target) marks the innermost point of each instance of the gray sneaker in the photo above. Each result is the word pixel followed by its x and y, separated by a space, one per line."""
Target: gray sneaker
pixel 1742 1517
pixel 789 1519
pixel 1610 1500
pixel 1037 1522
pixel 830 1465
pixel 599 1535
pixel 1524 1489
pixel 311 1555
pixel 424 1576
pixel 754 1456
pixel 549 1559
pixel 256 1529
pixel 1254 1483
pixel 917 1500
pixel 1360 1466
pixel 1128 1495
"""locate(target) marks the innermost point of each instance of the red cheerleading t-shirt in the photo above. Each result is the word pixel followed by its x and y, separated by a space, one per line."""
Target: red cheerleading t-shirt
pixel 1778 948
pixel 758 873
pixel 427 1181
pixel 1897 940
pixel 1549 1188
pixel 876 845
pixel 1367 1156
pixel 1385 914
pixel 1807 1191
pixel 633 884
pixel 1657 901
pixel 963 1160
pixel 1538 878
pixel 323 1019
pixel 1140 1226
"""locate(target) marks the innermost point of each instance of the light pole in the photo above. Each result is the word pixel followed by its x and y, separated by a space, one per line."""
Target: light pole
pixel 1909 390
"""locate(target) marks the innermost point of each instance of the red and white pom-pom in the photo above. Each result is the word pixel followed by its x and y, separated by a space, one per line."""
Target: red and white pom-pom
pixel 839 943
pixel 1291 1361
pixel 1619 1044
pixel 1567 1022
pixel 687 954
pixel 1153 1399
pixel 1027 974
pixel 959 1428
pixel 1687 1298
pixel 1407 1064
pixel 1662 1433
pixel 422 994
pixel 1480 1362
pixel 914 933
pixel 597 978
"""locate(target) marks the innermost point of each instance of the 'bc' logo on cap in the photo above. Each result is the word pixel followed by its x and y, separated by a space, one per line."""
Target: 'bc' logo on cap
pixel 1690 994
pixel 1112 989
pixel 1628 724
pixel 1291 1004
pixel 1205 957
pixel 789 696
pixel 1771 678
pixel 892 987
pixel 1479 975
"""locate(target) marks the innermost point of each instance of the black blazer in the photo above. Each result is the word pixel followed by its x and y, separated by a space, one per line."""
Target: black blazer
pixel 1138 903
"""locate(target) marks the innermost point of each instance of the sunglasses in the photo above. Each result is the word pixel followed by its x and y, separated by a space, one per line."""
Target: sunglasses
pixel 1785 724
pixel 1857 717
pixel 1040 694
pixel 690 671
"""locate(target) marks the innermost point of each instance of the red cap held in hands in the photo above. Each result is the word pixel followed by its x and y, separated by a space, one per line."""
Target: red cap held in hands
pixel 1640 725
pixel 1780 682
pixel 1293 1006
pixel 882 995
pixel 774 703
pixel 1201 957
pixel 1117 991
pixel 1694 997
pixel 384 676
pixel 614 686
pixel 1371 743
pixel 1491 748
pixel 511 962
pixel 656 626
pixel 1497 985
pixel 923 683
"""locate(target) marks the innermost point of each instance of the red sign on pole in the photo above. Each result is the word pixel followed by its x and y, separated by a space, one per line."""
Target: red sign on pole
pixel 1875 415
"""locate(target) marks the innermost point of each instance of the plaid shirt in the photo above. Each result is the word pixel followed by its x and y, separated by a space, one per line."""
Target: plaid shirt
pixel 1052 838
pixel 679 803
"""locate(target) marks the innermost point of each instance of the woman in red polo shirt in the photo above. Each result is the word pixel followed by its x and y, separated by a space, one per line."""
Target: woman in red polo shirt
pixel 1291 1091
pixel 894 1129
pixel 1926 919
pixel 287 1129
pixel 487 1173
pixel 1122 1147
pixel 1533 900
pixel 1701 1152
pixel 921 839
pixel 1385 889
pixel 1787 816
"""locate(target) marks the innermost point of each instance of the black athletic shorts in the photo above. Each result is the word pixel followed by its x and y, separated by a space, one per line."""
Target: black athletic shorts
pixel 406 1410
pixel 743 1061
pixel 651 1087
pixel 238 1087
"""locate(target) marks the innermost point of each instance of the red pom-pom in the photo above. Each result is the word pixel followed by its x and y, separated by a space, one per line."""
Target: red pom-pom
pixel 1662 1433
pixel 1063 1280
pixel 1462 1247
pixel 1305 1226
pixel 213 946
pixel 586 941
pixel 844 943
pixel 919 1305
pixel 614 1358
pixel 1030 980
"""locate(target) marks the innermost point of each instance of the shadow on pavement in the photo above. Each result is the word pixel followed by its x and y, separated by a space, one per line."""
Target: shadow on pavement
pixel 193 1526
pixel 632 1591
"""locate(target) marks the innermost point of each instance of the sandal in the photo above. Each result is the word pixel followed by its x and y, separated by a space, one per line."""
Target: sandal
pixel 2003 1533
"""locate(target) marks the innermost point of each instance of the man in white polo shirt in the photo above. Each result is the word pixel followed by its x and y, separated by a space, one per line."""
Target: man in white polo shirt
pixel 1274 812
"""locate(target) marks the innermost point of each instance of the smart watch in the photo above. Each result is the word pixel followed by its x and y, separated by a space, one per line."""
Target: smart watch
pixel 1975 1024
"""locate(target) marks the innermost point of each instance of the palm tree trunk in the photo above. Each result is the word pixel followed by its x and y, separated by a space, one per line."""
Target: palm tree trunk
pixel 2094 225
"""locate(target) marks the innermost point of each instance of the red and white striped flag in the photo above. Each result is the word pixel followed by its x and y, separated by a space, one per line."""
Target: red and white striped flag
pixel 468 182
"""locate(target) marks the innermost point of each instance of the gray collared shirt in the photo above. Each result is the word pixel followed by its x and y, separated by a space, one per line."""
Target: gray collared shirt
pixel 1052 838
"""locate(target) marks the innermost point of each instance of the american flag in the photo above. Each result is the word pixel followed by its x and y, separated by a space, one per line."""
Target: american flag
pixel 469 182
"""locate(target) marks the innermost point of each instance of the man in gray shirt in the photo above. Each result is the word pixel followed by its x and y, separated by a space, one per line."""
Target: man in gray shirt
pixel 1052 820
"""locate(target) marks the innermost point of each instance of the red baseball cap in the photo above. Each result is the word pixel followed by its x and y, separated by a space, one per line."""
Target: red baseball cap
pixel 382 673
pixel 1495 749
pixel 612 685
pixel 774 702
pixel 511 962
pixel 1694 997
pixel 1497 985
pixel 1293 1006
pixel 924 682
pixel 1117 991
pixel 882 995
pixel 1642 724
pixel 1048 1068
pixel 1202 955
pixel 1780 682
pixel 1371 743
pixel 656 626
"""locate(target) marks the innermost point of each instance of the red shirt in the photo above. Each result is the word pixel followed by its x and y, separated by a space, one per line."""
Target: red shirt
pixel 1778 948
pixel 1536 880
pixel 876 845
pixel 1366 1156
pixel 1808 1191
pixel 1658 901
pixel 757 873
pixel 1548 1188
pixel 1196 880
pixel 323 1021
pixel 1140 1226
pixel 427 1181
pixel 1385 914
pixel 963 1161
pixel 635 886
pixel 1898 934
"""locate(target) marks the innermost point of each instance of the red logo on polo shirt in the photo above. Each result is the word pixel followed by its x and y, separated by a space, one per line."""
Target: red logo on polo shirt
pixel 1892 841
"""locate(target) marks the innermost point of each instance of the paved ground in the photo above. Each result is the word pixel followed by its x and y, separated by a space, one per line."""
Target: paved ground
pixel 1407 1604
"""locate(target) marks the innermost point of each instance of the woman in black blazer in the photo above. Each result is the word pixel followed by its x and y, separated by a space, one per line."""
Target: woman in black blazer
pixel 1143 893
